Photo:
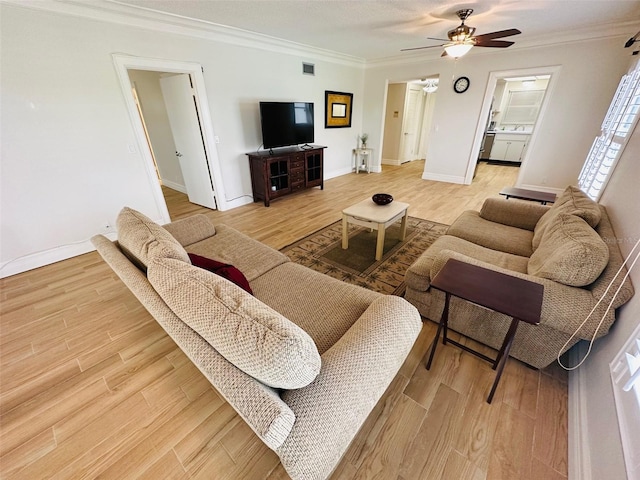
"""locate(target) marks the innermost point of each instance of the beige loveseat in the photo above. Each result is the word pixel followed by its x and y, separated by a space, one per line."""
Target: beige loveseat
pixel 303 360
pixel 570 248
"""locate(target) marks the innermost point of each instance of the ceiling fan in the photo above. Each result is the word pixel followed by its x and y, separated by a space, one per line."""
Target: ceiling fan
pixel 462 38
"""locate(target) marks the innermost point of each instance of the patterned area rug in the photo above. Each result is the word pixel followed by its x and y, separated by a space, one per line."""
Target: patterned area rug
pixel 322 251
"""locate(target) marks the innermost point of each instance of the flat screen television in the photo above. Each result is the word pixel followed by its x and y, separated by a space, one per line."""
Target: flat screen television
pixel 286 123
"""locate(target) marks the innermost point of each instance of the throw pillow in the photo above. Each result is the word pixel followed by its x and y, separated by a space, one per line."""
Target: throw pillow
pixel 570 252
pixel 248 333
pixel 572 201
pixel 141 239
pixel 225 270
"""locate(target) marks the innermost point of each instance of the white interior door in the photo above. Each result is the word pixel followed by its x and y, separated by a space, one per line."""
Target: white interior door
pixel 410 124
pixel 185 126
pixel 425 129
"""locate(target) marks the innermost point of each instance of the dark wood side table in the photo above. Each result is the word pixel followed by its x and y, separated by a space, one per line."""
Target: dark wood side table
pixel 524 194
pixel 513 296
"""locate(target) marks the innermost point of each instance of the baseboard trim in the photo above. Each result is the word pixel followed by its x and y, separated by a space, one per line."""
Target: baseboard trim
pixel 338 173
pixel 443 178
pixel 238 202
pixel 578 428
pixel 47 257
pixel 174 186
pixel 391 161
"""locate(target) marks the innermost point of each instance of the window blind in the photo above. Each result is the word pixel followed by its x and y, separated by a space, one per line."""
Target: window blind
pixel 618 124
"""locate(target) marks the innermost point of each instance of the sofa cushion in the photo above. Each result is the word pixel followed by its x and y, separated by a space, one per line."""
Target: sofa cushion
pixel 228 245
pixel 191 229
pixel 419 275
pixel 570 252
pixel 225 270
pixel 322 306
pixel 248 333
pixel 471 226
pixel 141 239
pixel 572 201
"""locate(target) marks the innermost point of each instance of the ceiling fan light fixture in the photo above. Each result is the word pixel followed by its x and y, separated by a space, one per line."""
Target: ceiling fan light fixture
pixel 458 49
pixel 431 85
pixel 463 38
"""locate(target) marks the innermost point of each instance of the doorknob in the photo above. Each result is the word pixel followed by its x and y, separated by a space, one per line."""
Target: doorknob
pixel 178 154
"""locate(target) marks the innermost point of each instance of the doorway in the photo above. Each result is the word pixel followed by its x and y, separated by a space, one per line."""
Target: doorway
pixel 203 133
pixel 514 105
pixel 408 113
pixel 172 125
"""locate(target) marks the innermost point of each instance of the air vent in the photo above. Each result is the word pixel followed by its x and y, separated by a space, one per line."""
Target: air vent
pixel 308 69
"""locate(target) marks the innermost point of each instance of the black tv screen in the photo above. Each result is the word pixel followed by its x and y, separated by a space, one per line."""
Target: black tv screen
pixel 286 123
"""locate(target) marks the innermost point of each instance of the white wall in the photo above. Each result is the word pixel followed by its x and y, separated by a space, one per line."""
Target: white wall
pixel 603 450
pixel 70 160
pixel 147 85
pixel 580 95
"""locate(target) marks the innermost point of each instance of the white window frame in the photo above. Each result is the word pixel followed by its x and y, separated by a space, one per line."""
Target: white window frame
pixel 617 127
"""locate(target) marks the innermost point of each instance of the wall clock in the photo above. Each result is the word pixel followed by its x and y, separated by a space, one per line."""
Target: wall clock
pixel 461 84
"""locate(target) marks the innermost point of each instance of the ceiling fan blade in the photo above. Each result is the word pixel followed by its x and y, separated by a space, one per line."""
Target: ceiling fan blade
pixel 500 34
pixel 495 44
pixel 419 48
pixel 439 39
pixel 444 54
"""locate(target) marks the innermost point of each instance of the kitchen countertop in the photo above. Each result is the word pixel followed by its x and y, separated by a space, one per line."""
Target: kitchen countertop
pixel 509 132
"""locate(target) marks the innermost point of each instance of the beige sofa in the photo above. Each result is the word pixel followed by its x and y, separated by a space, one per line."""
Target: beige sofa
pixel 303 360
pixel 570 248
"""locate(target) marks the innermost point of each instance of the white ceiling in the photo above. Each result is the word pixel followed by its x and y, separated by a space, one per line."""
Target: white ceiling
pixel 375 29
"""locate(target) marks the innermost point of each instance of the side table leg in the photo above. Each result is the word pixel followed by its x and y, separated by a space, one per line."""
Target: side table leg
pixel 380 242
pixel 502 357
pixel 403 225
pixel 345 232
pixel 443 322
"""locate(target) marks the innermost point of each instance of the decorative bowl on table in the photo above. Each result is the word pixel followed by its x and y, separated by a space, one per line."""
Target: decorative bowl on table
pixel 382 198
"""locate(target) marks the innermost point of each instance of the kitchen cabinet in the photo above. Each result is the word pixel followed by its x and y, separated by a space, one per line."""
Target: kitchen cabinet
pixel 487 146
pixel 509 148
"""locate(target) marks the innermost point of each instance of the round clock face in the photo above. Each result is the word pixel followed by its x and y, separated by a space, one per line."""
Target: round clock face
pixel 461 85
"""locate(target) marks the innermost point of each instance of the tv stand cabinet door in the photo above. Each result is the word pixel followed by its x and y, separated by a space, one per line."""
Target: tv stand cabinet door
pixel 278 179
pixel 313 167
pixel 269 177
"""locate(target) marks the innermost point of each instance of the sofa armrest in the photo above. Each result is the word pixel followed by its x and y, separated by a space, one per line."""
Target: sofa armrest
pixel 563 307
pixel 191 230
pixel 513 213
pixel 355 373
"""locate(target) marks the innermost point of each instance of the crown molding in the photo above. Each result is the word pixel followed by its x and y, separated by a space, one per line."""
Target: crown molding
pixel 114 12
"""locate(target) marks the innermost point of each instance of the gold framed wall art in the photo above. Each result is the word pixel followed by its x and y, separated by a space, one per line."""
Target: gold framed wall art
pixel 337 109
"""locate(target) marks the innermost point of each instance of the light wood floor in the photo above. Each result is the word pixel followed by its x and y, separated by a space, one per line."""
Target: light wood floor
pixel 92 386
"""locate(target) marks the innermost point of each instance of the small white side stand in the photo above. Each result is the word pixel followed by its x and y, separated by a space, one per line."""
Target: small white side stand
pixel 362 159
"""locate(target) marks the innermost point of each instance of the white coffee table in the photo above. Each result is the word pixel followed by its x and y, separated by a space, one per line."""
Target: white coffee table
pixel 377 217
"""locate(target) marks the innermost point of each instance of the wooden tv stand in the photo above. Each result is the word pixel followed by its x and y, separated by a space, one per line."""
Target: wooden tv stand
pixel 278 173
